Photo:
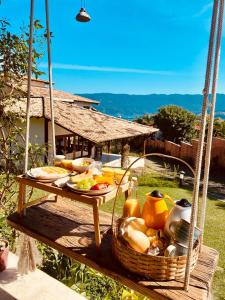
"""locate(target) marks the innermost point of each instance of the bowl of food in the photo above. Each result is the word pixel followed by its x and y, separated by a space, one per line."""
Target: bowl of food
pixel 86 183
pixel 82 164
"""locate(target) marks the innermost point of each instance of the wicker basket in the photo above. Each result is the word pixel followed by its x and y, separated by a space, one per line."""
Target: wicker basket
pixel 156 267
pixel 159 268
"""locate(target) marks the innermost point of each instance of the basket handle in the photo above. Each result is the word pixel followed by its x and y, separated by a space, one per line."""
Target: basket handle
pixel 140 157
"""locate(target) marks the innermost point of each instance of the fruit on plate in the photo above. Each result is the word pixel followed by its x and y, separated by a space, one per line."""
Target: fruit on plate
pixel 104 179
pixel 86 175
pixel 116 173
pixel 86 184
pixel 99 186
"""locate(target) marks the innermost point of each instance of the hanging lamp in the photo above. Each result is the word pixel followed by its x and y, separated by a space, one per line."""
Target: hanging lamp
pixel 83 16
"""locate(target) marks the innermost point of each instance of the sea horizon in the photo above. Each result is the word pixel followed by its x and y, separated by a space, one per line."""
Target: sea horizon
pixel 132 106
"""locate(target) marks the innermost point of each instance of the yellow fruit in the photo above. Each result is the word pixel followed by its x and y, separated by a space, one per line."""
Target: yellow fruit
pixel 79 177
pixel 104 179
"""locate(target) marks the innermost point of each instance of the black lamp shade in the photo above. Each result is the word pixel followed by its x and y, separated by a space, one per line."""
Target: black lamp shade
pixel 83 16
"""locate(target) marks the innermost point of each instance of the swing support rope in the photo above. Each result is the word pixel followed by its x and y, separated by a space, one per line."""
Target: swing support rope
pixel 211 119
pixel 213 57
pixel 26 165
pixel 29 85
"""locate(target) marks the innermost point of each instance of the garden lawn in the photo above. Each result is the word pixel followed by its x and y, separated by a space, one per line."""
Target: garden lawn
pixel 214 227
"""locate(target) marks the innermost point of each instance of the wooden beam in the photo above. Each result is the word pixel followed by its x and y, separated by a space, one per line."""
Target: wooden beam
pixel 46 138
pixel 82 148
pixel 70 232
pixel 109 147
pixel 74 146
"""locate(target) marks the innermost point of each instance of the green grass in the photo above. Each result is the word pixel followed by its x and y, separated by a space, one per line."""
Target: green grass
pixel 214 226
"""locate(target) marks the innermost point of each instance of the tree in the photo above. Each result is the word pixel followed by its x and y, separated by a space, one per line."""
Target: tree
pixel 13 69
pixel 146 119
pixel 176 123
pixel 219 128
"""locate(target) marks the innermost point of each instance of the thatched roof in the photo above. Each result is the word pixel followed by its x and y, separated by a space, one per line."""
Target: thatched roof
pixel 91 125
pixel 96 126
pixel 40 89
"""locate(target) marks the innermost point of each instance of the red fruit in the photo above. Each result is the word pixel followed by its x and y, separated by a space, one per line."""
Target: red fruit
pixel 99 186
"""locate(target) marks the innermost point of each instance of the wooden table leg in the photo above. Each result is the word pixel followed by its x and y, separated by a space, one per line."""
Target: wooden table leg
pixel 96 224
pixel 21 199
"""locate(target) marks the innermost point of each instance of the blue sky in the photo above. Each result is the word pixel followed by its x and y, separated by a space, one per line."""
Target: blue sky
pixel 130 46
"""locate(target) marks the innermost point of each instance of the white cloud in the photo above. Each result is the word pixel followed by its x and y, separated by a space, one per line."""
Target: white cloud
pixel 106 69
pixel 198 14
pixel 204 9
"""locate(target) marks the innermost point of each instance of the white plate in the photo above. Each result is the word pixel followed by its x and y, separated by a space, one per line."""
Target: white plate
pixel 34 174
pixel 29 175
pixel 109 189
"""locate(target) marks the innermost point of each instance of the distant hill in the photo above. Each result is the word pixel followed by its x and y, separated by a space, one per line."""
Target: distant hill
pixel 132 106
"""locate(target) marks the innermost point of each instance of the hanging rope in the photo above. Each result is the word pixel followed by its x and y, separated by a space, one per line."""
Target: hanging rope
pixel 29 86
pixel 201 143
pixel 211 121
pixel 50 79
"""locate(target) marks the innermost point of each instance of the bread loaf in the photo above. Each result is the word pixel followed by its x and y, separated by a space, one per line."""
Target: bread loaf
pixel 137 240
pixel 138 224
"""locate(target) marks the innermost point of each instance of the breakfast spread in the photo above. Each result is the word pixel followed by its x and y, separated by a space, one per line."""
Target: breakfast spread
pixel 80 175
pixel 156 230
pixel 95 181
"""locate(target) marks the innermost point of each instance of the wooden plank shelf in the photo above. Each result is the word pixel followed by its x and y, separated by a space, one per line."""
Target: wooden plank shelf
pixel 68 227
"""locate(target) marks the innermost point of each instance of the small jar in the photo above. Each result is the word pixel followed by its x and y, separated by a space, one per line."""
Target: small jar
pixel 58 160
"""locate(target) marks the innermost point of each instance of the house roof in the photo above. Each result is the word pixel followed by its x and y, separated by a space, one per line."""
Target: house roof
pixel 91 125
pixel 39 88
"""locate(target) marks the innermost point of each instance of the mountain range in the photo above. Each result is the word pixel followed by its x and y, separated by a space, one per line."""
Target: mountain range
pixel 131 106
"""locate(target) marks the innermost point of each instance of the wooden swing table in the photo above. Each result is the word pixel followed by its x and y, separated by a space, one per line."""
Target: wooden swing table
pixel 94 201
pixel 65 224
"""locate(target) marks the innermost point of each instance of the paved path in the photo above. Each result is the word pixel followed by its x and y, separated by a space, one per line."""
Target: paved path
pixel 34 286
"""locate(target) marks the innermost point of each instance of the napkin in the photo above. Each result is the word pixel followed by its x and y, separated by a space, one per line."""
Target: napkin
pixel 62 181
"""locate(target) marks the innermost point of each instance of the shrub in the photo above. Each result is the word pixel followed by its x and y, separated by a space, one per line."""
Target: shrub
pixel 176 123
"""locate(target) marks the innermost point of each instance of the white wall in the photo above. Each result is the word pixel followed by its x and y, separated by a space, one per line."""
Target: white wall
pixel 37 131
pixel 58 131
